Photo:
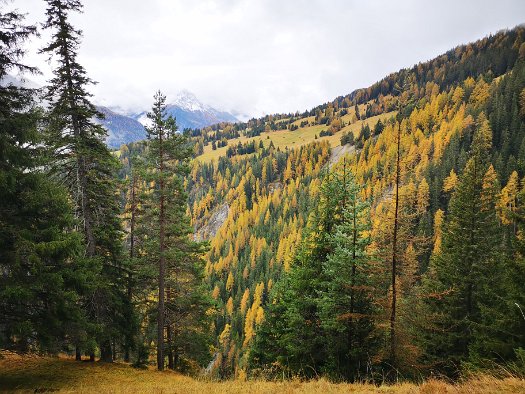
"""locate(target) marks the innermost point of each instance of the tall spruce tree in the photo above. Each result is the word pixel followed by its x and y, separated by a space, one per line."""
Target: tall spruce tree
pixel 39 285
pixel 320 317
pixel 461 274
pixel 84 164
pixel 347 308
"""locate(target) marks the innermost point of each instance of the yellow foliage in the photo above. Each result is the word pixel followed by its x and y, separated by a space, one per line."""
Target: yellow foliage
pixel 260 316
pixel 439 217
pixel 229 282
pixel 507 202
pixel 423 195
pixel 490 188
pixel 244 301
pixel 216 292
pixel 450 182
pixel 229 306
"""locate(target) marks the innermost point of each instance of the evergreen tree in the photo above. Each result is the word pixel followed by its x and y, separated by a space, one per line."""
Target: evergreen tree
pixel 320 319
pixel 467 265
pixel 182 303
pixel 346 300
pixel 84 164
pixel 40 284
pixel 500 332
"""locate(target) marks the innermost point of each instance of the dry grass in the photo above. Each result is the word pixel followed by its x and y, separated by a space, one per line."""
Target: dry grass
pixel 43 374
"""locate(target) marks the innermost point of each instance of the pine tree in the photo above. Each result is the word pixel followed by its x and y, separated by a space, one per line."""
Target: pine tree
pixel 84 164
pixel 181 296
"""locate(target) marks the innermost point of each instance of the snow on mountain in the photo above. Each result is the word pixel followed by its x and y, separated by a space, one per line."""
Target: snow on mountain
pixel 142 118
pixel 191 113
pixel 186 108
pixel 21 82
pixel 187 101
pixel 123 127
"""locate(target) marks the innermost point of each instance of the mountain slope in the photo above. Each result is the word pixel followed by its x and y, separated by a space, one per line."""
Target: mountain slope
pixel 121 129
pixel 191 113
pixel 268 173
pixel 271 197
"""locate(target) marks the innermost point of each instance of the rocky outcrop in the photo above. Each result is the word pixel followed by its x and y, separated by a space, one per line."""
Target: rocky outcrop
pixel 210 227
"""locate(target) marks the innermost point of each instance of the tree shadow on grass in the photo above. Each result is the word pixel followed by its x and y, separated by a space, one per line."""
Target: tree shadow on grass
pixel 42 375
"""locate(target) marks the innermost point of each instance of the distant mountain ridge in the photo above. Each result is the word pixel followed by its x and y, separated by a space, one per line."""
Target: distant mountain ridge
pixel 191 113
pixel 121 129
pixel 125 128
pixel 188 111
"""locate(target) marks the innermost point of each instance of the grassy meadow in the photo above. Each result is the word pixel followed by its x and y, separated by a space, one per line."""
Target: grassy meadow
pixel 34 374
pixel 291 139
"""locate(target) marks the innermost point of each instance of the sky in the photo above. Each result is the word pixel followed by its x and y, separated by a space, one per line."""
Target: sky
pixel 256 57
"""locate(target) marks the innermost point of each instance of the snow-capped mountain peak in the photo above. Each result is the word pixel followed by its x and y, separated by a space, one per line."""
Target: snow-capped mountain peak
pixel 189 112
pixel 188 101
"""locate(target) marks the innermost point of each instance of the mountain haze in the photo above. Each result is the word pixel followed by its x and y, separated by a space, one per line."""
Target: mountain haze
pixel 188 111
pixel 121 129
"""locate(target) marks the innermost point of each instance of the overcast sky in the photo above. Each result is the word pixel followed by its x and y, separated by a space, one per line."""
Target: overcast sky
pixel 258 57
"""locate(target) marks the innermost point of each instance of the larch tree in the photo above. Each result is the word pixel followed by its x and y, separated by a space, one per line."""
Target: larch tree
pixel 395 238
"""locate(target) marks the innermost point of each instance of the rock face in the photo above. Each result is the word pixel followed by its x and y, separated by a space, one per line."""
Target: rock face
pixel 338 152
pixel 214 223
pixel 274 186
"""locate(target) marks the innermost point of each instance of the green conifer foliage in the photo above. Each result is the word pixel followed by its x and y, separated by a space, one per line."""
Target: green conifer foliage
pixel 171 263
pixel 460 276
pixel 320 318
pixel 41 280
pixel 84 164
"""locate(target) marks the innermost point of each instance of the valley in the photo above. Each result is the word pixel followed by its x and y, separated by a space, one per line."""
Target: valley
pixel 372 243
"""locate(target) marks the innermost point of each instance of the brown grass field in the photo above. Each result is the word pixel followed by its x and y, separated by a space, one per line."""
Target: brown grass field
pixel 33 374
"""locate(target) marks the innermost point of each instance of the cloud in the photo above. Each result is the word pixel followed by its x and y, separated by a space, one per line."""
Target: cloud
pixel 263 56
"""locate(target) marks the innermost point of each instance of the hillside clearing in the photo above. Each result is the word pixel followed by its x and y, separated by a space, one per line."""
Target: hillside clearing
pixel 44 374
pixel 291 139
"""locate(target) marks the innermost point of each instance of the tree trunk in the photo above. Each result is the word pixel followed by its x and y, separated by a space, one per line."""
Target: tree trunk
pixel 78 354
pixel 160 318
pixel 106 354
pixel 171 364
pixel 129 339
pixel 86 209
pixel 131 256
pixel 352 284
pixel 394 255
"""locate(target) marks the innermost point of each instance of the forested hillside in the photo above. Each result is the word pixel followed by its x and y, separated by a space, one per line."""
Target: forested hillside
pixel 376 237
pixel 410 166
